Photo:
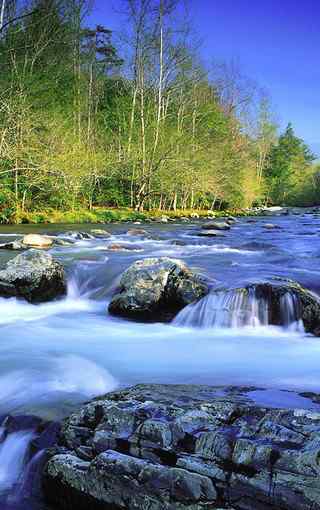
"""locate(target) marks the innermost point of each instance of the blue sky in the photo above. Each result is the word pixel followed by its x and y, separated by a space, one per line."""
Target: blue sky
pixel 276 42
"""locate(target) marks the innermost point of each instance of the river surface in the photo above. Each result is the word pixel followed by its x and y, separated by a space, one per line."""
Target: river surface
pixel 56 355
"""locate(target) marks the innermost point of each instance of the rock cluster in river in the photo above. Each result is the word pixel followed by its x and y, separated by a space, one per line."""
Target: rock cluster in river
pixel 33 275
pixel 168 447
pixel 155 288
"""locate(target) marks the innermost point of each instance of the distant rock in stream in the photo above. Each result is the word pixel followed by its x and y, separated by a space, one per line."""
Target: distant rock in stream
pixel 155 288
pixel 100 233
pixel 33 275
pixel 216 225
pixel 37 241
pixel 210 233
pixel 185 447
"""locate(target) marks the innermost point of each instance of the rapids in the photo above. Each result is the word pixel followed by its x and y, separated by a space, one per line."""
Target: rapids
pixel 59 354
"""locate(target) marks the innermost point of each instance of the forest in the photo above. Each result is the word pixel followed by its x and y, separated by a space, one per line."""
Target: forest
pixel 92 120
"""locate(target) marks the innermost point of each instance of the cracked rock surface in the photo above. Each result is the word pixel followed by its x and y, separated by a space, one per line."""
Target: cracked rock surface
pixel 156 288
pixel 174 447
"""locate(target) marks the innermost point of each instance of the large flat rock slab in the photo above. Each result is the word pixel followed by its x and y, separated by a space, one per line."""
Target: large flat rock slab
pixel 174 447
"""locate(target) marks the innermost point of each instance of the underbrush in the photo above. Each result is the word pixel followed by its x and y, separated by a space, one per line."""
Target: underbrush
pixel 101 215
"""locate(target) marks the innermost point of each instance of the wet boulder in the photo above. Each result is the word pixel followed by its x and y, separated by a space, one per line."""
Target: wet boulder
pixel 185 447
pixel 210 233
pixel 156 288
pixel 216 225
pixel 33 275
pixel 37 241
pixel 100 233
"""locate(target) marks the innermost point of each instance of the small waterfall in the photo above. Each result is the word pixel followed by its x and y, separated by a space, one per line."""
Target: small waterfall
pixel 226 309
pixel 290 312
pixel 85 280
pixel 22 457
pixel 238 308
pixel 13 455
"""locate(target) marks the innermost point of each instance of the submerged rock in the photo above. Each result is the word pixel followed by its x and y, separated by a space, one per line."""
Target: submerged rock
pixel 156 288
pixel 210 233
pixel 123 247
pixel 137 232
pixel 33 275
pixel 185 447
pixel 271 226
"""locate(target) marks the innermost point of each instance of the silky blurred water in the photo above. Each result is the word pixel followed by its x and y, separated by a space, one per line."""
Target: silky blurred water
pixel 57 354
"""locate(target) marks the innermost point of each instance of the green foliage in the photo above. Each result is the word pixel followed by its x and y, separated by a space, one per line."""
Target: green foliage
pixel 289 167
pixel 83 132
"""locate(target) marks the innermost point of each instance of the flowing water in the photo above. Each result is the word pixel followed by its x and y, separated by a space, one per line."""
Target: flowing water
pixel 56 355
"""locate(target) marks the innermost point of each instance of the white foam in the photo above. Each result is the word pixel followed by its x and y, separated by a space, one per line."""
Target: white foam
pixel 65 375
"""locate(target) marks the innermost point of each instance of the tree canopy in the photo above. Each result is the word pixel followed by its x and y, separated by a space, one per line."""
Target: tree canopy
pixel 142 123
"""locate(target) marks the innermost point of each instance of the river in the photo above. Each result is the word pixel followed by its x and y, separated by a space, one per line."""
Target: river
pixel 58 354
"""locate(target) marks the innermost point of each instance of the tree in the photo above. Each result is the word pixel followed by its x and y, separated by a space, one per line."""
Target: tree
pixel 289 161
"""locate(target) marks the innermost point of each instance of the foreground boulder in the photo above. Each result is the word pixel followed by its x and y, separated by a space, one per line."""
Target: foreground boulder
pixel 33 275
pixel 156 288
pixel 167 447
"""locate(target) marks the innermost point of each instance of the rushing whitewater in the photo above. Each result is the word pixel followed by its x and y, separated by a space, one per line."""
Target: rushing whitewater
pixel 58 354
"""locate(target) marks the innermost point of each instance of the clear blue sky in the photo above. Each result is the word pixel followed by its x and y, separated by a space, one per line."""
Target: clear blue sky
pixel 276 42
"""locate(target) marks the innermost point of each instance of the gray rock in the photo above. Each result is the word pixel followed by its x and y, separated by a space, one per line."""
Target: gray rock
pixel 156 288
pixel 210 233
pixel 216 225
pixel 33 275
pixel 100 233
pixel 185 447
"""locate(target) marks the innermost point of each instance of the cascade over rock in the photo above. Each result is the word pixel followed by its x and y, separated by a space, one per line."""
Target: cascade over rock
pixel 156 288
pixel 278 302
pixel 33 275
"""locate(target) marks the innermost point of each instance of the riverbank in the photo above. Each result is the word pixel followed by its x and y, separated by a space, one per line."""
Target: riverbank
pixel 111 215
